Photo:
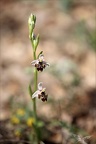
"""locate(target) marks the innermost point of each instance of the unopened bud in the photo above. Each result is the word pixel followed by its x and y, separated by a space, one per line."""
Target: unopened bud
pixel 31 24
pixel 35 41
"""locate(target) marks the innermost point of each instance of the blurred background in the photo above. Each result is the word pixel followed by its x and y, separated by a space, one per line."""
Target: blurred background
pixel 67 31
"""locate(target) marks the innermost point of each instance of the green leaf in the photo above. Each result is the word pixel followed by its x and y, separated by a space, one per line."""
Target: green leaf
pixel 30 90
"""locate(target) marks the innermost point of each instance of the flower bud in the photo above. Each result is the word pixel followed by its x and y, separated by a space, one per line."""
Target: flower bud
pixel 35 41
pixel 31 24
pixel 34 18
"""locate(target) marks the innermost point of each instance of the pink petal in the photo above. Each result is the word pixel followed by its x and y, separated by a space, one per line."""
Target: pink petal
pixel 40 86
pixel 47 64
pixel 36 94
pixel 34 62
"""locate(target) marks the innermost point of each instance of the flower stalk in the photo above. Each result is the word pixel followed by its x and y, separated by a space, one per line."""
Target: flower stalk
pixel 39 64
pixel 35 88
pixel 34 42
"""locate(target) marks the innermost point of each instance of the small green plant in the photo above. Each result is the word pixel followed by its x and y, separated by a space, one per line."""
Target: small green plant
pixel 21 119
pixel 39 64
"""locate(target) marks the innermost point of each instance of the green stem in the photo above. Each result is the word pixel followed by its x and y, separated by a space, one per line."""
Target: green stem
pixel 34 100
pixel 35 87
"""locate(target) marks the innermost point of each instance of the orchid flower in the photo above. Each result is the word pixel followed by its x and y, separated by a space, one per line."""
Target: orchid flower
pixel 40 93
pixel 40 63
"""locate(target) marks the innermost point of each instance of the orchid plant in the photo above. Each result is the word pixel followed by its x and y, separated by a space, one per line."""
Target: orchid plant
pixel 39 65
